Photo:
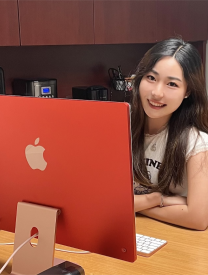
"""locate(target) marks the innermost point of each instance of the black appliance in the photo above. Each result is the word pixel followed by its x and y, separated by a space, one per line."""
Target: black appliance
pixel 2 85
pixel 37 88
pixel 90 93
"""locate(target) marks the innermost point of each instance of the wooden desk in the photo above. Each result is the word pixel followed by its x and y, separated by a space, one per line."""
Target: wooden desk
pixel 185 254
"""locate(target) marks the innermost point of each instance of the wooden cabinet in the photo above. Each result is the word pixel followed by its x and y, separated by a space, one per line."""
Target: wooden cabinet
pixel 118 22
pixel 129 21
pixel 76 22
pixel 188 19
pixel 56 22
pixel 9 28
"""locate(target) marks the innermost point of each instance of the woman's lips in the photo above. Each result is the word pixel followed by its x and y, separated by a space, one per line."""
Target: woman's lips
pixel 156 105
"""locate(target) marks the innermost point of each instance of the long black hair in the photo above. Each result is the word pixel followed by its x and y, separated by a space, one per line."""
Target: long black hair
pixel 193 112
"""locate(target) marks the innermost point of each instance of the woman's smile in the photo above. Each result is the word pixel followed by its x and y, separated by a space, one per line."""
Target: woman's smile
pixel 156 105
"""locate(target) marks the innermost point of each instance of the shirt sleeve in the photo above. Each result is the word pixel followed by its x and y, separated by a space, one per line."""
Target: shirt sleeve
pixel 197 143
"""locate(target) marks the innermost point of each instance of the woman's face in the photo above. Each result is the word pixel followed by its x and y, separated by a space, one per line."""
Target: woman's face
pixel 163 89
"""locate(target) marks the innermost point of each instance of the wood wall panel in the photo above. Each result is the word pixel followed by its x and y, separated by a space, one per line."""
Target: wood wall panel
pixel 9 28
pixel 188 19
pixel 56 22
pixel 198 18
pixel 169 20
pixel 118 22
pixel 71 65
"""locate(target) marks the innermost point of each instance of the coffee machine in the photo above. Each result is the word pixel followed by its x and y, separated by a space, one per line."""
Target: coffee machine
pixel 46 88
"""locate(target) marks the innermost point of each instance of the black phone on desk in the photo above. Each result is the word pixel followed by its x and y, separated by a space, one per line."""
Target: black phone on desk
pixel 65 268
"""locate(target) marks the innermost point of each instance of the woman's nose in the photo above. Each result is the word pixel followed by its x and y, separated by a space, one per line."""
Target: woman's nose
pixel 157 92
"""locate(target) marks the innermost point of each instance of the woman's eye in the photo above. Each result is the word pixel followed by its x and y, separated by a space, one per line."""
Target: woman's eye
pixel 150 77
pixel 172 84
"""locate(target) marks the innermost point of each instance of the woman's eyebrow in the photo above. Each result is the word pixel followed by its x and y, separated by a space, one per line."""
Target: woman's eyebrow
pixel 153 71
pixel 170 77
pixel 174 78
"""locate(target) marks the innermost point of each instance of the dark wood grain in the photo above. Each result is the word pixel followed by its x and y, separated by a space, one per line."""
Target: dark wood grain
pixel 149 21
pixel 57 22
pixel 9 28
pixel 71 65
pixel 198 20
pixel 128 21
pixel 187 19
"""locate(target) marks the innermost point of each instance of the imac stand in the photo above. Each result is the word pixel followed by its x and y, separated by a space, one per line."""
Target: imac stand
pixel 33 260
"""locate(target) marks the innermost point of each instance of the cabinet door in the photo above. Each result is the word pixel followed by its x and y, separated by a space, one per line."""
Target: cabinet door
pixel 188 19
pixel 56 22
pixel 9 28
pixel 127 21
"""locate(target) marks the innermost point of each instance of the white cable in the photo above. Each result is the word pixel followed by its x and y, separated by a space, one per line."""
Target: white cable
pixel 68 251
pixel 4 266
pixel 57 249
pixel 76 252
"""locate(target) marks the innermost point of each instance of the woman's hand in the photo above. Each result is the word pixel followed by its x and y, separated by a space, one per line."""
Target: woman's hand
pixel 174 200
pixel 146 201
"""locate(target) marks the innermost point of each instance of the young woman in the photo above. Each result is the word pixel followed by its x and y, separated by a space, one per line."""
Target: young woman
pixel 170 135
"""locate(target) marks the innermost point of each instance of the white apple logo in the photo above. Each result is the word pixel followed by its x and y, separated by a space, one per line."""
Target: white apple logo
pixel 34 156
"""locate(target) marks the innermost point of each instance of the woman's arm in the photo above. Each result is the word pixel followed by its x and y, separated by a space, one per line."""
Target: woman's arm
pixel 146 201
pixel 195 214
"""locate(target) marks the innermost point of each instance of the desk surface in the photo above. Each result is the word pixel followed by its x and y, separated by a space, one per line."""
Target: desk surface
pixel 185 254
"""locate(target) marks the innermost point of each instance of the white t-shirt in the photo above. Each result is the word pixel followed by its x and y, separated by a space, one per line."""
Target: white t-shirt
pixel 154 148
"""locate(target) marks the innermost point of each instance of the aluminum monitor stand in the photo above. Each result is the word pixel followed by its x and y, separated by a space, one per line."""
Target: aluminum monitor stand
pixel 33 260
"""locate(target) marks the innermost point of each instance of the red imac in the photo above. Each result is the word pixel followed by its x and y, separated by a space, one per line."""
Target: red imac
pixel 75 156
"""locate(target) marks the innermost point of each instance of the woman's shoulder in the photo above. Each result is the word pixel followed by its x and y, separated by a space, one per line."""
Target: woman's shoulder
pixel 197 142
pixel 197 136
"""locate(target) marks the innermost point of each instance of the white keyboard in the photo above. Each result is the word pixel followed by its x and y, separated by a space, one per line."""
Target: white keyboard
pixel 146 246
